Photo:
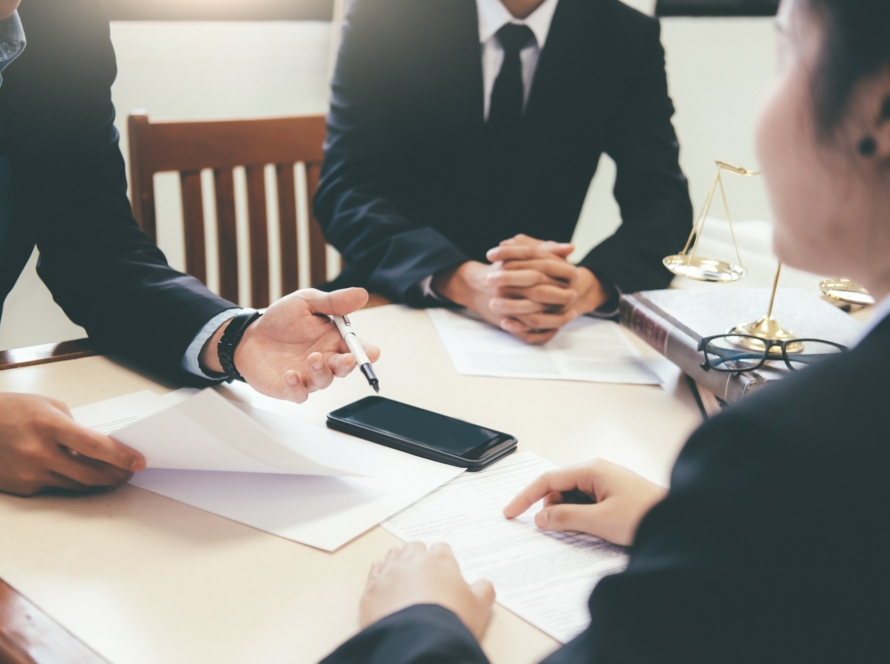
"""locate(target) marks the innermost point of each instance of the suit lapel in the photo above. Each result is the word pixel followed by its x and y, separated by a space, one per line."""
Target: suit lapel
pixel 564 76
pixel 457 63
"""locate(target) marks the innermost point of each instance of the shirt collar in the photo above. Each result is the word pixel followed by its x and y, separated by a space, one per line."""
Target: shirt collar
pixel 881 312
pixel 12 41
pixel 493 16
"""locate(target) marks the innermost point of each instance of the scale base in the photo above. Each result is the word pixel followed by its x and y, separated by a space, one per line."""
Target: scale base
pixel 767 328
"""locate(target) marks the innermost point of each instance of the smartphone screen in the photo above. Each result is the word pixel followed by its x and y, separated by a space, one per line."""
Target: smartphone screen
pixel 419 426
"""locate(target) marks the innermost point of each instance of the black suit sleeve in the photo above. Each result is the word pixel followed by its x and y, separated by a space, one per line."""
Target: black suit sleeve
pixel 71 193
pixel 422 634
pixel 389 252
pixel 650 187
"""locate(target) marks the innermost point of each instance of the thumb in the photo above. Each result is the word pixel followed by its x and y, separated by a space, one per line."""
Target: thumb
pixel 569 517
pixel 483 589
pixel 337 303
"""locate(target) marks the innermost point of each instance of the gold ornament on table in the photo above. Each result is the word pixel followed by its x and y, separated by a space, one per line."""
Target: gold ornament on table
pixel 846 291
pixel 767 327
pixel 687 264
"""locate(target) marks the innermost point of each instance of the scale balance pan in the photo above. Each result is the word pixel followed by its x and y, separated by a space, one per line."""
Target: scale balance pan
pixel 847 291
pixel 703 269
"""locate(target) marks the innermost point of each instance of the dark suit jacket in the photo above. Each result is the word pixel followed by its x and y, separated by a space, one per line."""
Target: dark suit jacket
pixel 70 193
pixel 412 183
pixel 772 546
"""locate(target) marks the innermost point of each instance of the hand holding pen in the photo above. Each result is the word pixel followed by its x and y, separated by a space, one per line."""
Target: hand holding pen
pixel 355 347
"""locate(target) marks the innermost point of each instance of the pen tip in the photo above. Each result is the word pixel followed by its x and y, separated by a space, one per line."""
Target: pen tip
pixel 376 386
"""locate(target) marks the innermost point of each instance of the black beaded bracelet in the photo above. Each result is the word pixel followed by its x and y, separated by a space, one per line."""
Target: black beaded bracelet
pixel 230 340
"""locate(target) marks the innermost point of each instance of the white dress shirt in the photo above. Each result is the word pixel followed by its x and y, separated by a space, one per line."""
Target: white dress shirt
pixel 492 17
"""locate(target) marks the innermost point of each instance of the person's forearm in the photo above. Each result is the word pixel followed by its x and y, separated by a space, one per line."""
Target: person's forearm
pixel 210 352
pixel 593 294
pixel 457 284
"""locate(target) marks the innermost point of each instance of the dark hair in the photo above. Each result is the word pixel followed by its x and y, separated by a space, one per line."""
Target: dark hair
pixel 856 46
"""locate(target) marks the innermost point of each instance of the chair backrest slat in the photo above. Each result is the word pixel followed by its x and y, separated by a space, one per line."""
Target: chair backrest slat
pixel 287 228
pixel 193 224
pixel 259 236
pixel 226 233
pixel 318 260
pixel 222 146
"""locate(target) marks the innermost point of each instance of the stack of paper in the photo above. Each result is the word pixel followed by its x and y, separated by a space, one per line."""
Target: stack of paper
pixel 545 578
pixel 298 481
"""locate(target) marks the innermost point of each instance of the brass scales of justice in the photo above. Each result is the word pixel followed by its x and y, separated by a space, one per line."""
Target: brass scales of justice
pixel 692 266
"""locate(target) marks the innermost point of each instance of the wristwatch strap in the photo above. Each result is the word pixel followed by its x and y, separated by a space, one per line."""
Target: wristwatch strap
pixel 230 340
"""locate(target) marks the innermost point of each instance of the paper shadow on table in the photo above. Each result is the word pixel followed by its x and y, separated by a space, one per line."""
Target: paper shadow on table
pixel 297 507
pixel 128 509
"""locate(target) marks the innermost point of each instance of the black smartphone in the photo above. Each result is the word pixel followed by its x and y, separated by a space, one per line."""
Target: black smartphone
pixel 422 432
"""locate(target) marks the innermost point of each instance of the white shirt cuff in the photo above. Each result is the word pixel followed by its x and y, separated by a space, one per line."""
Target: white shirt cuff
pixel 191 359
pixel 426 287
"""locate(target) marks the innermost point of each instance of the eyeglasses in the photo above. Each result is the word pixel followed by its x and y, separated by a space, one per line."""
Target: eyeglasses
pixel 734 353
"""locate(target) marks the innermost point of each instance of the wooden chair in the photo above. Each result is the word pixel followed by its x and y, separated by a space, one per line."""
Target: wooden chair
pixel 189 148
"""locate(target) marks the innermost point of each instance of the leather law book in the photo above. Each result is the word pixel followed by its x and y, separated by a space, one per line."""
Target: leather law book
pixel 675 321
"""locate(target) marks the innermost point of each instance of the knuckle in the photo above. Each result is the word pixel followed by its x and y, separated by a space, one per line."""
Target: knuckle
pixel 25 489
pixel 556 516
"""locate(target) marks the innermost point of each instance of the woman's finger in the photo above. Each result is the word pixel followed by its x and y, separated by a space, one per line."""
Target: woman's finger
pixel 484 590
pixel 560 481
pixel 568 516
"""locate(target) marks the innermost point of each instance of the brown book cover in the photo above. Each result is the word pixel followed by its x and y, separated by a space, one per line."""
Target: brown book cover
pixel 675 321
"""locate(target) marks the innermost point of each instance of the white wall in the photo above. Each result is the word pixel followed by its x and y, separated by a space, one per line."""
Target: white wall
pixel 718 71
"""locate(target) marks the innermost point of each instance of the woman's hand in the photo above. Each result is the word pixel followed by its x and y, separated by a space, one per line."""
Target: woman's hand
pixel 417 575
pixel 41 448
pixel 599 498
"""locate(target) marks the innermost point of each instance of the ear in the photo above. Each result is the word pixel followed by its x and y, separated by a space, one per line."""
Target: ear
pixel 878 105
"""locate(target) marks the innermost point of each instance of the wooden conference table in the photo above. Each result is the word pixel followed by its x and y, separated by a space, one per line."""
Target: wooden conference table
pixel 141 578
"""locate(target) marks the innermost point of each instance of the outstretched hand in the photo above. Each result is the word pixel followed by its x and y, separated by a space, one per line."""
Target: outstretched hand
pixel 600 498
pixel 294 349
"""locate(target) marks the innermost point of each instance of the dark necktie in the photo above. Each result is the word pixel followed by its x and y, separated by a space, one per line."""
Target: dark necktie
pixel 508 95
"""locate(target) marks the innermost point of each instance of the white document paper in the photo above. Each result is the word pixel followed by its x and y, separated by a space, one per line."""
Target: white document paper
pixel 544 578
pixel 587 349
pixel 316 509
pixel 204 431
